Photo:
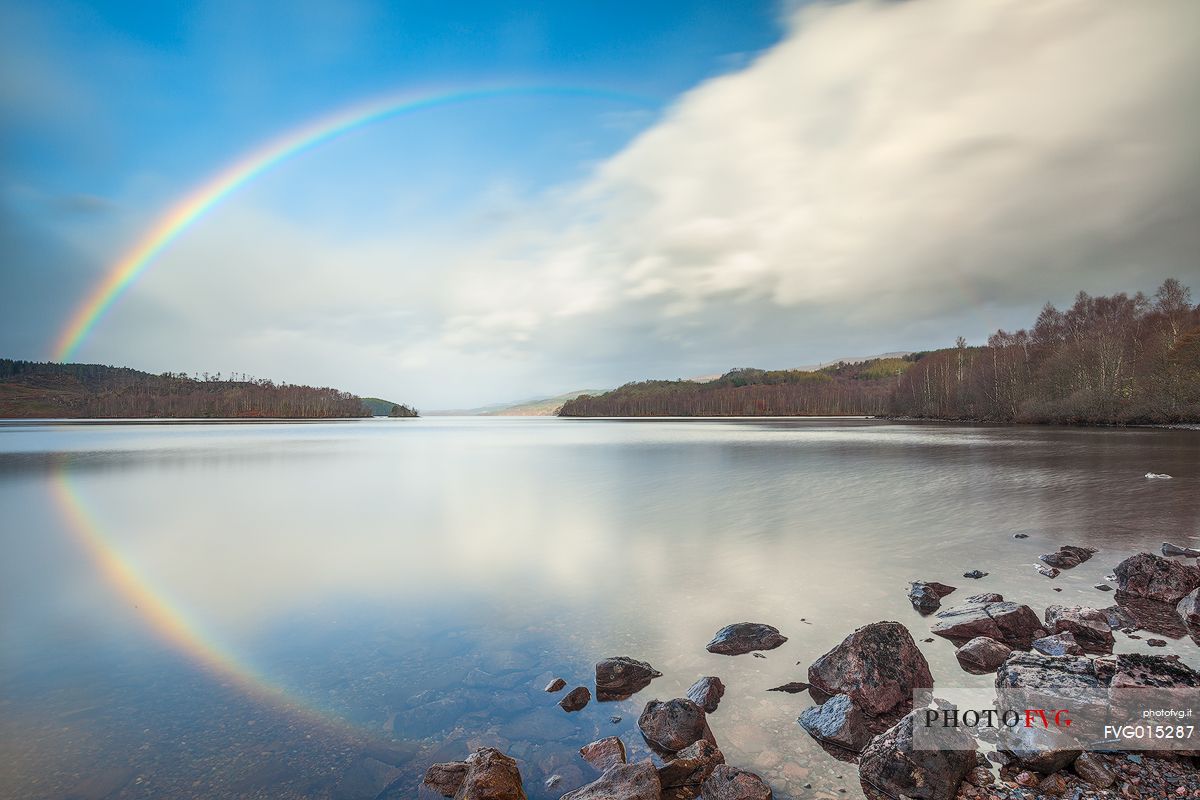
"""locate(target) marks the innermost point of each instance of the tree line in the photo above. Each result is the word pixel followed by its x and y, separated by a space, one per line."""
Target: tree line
pixel 1118 359
pixel 49 390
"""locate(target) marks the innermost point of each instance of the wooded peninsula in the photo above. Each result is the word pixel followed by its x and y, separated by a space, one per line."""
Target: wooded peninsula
pixel 30 389
pixel 1106 360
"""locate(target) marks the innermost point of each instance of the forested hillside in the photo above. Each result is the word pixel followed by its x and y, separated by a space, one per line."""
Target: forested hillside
pixel 45 390
pixel 1106 360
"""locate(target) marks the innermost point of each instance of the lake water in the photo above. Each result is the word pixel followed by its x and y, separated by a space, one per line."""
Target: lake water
pixel 319 609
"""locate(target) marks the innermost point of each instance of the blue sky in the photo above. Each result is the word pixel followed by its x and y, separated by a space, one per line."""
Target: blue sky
pixel 797 183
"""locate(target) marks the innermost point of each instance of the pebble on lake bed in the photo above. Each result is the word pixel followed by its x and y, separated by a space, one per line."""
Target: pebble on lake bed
pixel 576 699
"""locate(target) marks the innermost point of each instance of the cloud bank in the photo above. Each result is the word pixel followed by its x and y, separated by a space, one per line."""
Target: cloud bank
pixel 890 175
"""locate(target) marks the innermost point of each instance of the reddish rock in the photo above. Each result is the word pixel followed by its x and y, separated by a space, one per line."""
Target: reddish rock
pixel 673 725
pixel 1089 626
pixel 891 766
pixel 982 655
pixel 1013 624
pixel 707 693
pixel 446 778
pixel 1053 785
pixel 622 782
pixel 745 637
pixel 621 677
pixel 690 767
pixel 1068 556
pixel 576 699
pixel 1156 578
pixel 878 666
pixel 731 783
pixel 556 685
pixel 491 775
pixel 603 753
pixel 1092 770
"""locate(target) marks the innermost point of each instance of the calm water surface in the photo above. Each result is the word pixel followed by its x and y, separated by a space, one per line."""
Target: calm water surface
pixel 321 609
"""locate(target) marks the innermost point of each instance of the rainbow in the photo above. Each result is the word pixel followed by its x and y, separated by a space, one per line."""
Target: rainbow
pixel 184 213
pixel 170 622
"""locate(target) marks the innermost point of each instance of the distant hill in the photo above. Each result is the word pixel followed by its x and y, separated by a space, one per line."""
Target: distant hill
pixel 534 407
pixel 31 389
pixel 386 408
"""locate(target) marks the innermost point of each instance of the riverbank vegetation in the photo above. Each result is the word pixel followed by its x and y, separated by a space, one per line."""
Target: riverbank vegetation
pixel 30 389
pixel 1118 359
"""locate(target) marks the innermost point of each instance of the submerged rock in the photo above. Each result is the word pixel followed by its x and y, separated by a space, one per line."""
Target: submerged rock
pixel 878 666
pixel 975 573
pixel 621 677
pixel 490 775
pixel 985 597
pixel 745 637
pixel 707 693
pixel 837 722
pixel 891 766
pixel 926 596
pixel 1068 556
pixel 1169 549
pixel 731 783
pixel 622 782
pixel 446 778
pixel 1013 624
pixel 1089 626
pixel 795 687
pixel 982 655
pixel 576 699
pixel 690 768
pixel 1156 578
pixel 1060 644
pixel 603 753
pixel 673 725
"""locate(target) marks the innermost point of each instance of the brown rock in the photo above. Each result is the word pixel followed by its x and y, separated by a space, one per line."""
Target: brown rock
pixel 603 753
pixel 576 699
pixel 671 726
pixel 891 766
pixel 622 782
pixel 1013 624
pixel 1157 578
pixel 491 775
pixel 707 693
pixel 878 666
pixel 731 783
pixel 690 767
pixel 1068 556
pixel 1054 785
pixel 926 596
pixel 621 677
pixel 795 687
pixel 745 637
pixel 982 655
pixel 556 685
pixel 446 778
pixel 1092 770
pixel 1089 626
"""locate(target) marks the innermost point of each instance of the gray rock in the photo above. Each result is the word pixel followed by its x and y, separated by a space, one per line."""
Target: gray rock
pixel 671 726
pixel 986 597
pixel 603 753
pixel 1089 626
pixel 891 766
pixel 1068 556
pixel 794 687
pixel 622 782
pixel 707 693
pixel 745 637
pixel 1169 549
pixel 975 573
pixel 926 596
pixel 621 677
pixel 1060 644
pixel 731 783
pixel 837 722
pixel 878 666
pixel 1189 608
pixel 982 655
pixel 1013 624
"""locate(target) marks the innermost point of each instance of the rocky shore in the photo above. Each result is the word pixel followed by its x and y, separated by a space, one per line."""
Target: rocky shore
pixel 863 690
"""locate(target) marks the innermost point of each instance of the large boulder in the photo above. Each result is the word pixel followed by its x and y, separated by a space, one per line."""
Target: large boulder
pixel 622 782
pixel 837 722
pixel 926 596
pixel 1014 624
pixel 878 666
pixel 491 775
pixel 1037 671
pixel 671 726
pixel 603 753
pixel 1156 578
pixel 891 766
pixel 745 637
pixel 1089 626
pixel 731 783
pixel 620 677
pixel 982 655
pixel 1159 672
pixel 691 766
pixel 707 693
pixel 446 778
